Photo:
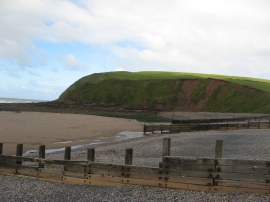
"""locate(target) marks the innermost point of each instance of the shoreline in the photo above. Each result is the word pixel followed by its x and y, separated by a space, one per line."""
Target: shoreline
pixel 120 137
pixel 55 141
pixel 57 130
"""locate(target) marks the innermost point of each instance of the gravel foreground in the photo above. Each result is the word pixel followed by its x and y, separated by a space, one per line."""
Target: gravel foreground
pixel 13 188
pixel 241 144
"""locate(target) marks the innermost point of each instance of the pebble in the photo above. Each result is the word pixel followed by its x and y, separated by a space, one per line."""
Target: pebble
pixel 14 188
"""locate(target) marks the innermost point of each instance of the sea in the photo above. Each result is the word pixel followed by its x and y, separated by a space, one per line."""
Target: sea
pixel 18 100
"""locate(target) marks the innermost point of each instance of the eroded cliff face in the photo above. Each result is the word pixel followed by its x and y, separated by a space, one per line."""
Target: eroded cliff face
pixel 196 95
pixel 173 94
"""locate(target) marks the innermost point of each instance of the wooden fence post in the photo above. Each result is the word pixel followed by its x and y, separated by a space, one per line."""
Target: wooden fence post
pixel 166 146
pixel 144 129
pixel 91 154
pixel 269 123
pixel 19 152
pixel 67 153
pixel 219 148
pixel 128 156
pixel 1 148
pixel 67 156
pixel 42 149
pixel 259 123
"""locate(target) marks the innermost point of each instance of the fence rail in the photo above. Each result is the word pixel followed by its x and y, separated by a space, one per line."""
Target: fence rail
pixel 204 174
pixel 220 120
pixel 173 128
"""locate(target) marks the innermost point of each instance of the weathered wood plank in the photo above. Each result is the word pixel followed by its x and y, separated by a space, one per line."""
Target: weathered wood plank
pixel 242 184
pixel 248 177
pixel 108 181
pixel 169 178
pixel 118 180
pixel 50 174
pixel 72 180
pixel 149 170
pixel 242 163
pixel 14 158
pixel 72 167
pixel 157 175
pixel 175 160
pixel 189 166
pixel 190 173
pixel 61 162
pixel 219 162
pixel 5 158
pixel 7 170
pixel 82 175
pixel 33 172
pixel 112 169
pixel 244 169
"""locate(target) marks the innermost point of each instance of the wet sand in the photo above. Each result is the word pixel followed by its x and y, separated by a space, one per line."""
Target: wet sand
pixel 59 130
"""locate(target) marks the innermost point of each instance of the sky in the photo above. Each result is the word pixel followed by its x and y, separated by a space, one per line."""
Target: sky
pixel 46 45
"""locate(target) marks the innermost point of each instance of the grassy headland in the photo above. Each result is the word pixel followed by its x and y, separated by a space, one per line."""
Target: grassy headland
pixel 171 91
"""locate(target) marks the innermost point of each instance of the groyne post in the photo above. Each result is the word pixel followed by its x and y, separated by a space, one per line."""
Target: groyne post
pixel 67 153
pixel 19 152
pixel 144 129
pixel 166 146
pixel 129 156
pixel 91 154
pixel 219 148
pixel 42 149
pixel 1 148
pixel 67 156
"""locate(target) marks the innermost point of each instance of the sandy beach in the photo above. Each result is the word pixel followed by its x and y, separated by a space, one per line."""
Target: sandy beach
pixel 59 130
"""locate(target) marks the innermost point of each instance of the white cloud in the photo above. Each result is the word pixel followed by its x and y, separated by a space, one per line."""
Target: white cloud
pixel 119 69
pixel 211 36
pixel 72 62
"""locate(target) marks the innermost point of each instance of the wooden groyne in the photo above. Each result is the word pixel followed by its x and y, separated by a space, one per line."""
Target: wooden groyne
pixel 174 128
pixel 221 120
pixel 203 174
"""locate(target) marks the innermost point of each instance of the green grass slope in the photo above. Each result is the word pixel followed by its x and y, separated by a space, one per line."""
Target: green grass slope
pixel 173 91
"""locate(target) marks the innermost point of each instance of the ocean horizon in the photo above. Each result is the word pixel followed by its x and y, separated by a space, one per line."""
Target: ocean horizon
pixel 18 100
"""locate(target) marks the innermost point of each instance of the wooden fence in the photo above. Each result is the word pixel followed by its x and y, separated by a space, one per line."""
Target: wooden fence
pixel 174 128
pixel 220 120
pixel 203 174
